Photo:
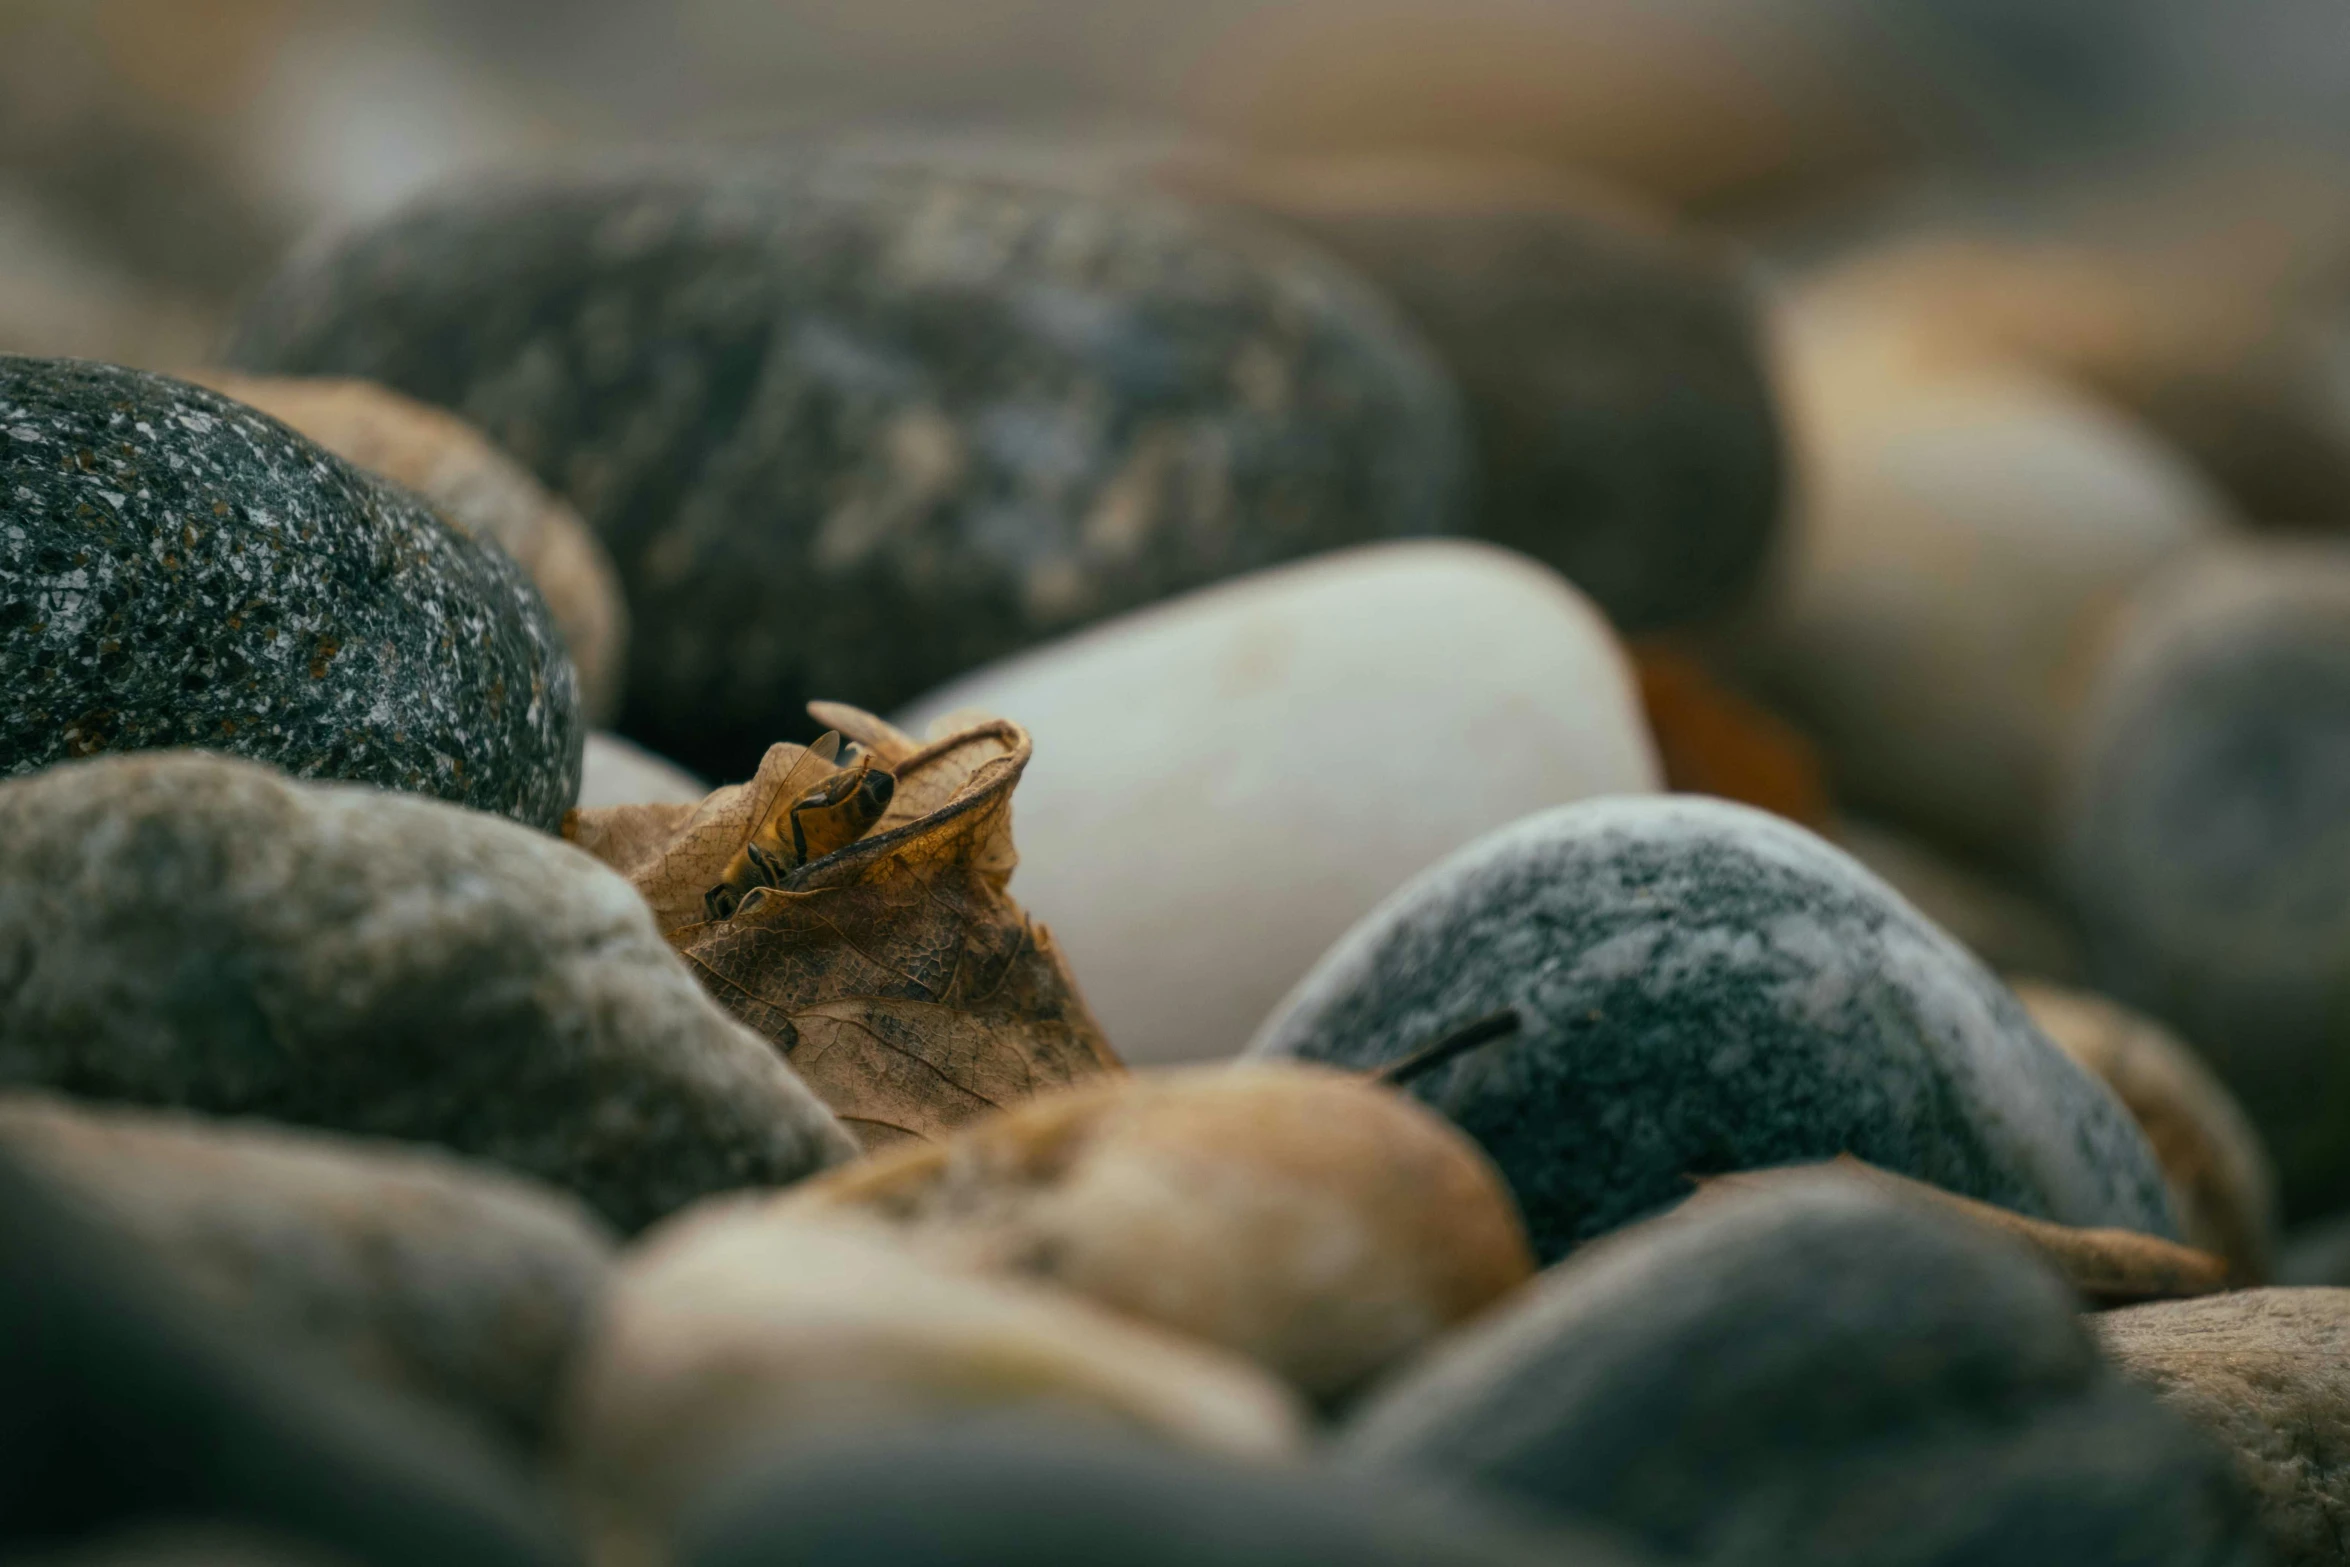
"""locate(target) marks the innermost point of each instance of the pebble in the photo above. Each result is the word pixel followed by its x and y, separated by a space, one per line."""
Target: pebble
pixel 1225 783
pixel 1964 531
pixel 850 428
pixel 472 484
pixel 458 1285
pixel 738 1329
pixel 176 570
pixel 2222 1186
pixel 1702 988
pixel 1003 1494
pixel 619 772
pixel 2204 841
pixel 1823 1375
pixel 199 932
pixel 1323 1226
pixel 2266 1372
pixel 2013 931
pixel 1611 364
pixel 130 1404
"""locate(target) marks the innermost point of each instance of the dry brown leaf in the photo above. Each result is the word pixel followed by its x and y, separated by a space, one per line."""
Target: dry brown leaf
pixel 897 975
pixel 2108 1267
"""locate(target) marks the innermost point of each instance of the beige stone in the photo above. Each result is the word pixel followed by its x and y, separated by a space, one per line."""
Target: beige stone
pixel 454 1282
pixel 1318 1223
pixel 738 1328
pixel 2221 1183
pixel 474 485
pixel 2268 1373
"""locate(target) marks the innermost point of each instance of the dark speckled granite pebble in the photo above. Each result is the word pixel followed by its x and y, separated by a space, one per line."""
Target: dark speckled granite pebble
pixel 849 429
pixel 1819 1376
pixel 178 570
pixel 1706 988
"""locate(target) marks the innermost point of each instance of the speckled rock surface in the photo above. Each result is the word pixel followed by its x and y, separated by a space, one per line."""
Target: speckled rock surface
pixel 2206 847
pixel 2222 1187
pixel 1827 1376
pixel 480 489
pixel 125 1403
pixel 849 429
pixel 1612 366
pixel 1702 987
pixel 2267 1372
pixel 176 571
pixel 1325 1227
pixel 739 1328
pixel 1000 1494
pixel 453 1282
pixel 193 931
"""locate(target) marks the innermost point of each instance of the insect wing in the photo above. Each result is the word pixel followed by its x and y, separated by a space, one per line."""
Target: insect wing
pixel 811 767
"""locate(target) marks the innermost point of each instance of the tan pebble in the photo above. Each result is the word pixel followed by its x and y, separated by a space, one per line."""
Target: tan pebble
pixel 1321 1225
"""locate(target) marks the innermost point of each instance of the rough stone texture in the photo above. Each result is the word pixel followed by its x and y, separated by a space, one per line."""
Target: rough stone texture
pixel 1611 366
pixel 124 1402
pixel 2013 932
pixel 1823 1376
pixel 176 570
pixel 2221 1184
pixel 480 489
pixel 195 931
pixel 1962 533
pixel 456 1284
pixel 738 1328
pixel 852 428
pixel 1323 1226
pixel 1002 1494
pixel 614 772
pixel 1702 988
pixel 1223 784
pixel 2267 1372
pixel 2205 845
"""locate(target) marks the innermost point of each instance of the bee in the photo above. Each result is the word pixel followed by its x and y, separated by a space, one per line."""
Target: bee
pixel 804 820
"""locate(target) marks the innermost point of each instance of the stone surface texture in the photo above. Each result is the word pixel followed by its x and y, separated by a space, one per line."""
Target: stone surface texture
pixel 2222 1186
pixel 738 1328
pixel 193 931
pixel 2205 843
pixel 851 428
pixel 475 486
pixel 2267 1372
pixel 176 570
pixel 1325 1227
pixel 1223 784
pixel 1824 1375
pixel 455 1283
pixel 1702 988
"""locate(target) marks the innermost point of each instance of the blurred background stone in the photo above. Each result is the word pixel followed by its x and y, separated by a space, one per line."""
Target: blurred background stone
pixel 616 772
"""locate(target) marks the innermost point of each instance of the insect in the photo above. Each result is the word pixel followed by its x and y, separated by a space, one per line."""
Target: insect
pixel 807 817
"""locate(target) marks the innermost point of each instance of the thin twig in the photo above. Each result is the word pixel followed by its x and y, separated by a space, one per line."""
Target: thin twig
pixel 1459 1042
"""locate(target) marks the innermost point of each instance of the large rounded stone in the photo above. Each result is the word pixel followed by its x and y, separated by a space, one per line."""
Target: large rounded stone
pixel 1611 366
pixel 477 487
pixel 1032 1494
pixel 2267 1372
pixel 1323 1226
pixel 850 428
pixel 1223 784
pixel 2206 846
pixel 177 570
pixel 1824 1376
pixel 1700 987
pixel 738 1329
pixel 194 931
pixel 2221 1184
pixel 1964 529
pixel 456 1284
pixel 124 1402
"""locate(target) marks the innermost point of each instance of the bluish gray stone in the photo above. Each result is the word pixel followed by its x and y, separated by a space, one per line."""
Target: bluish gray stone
pixel 1820 1376
pixel 1700 988
pixel 179 570
pixel 850 428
